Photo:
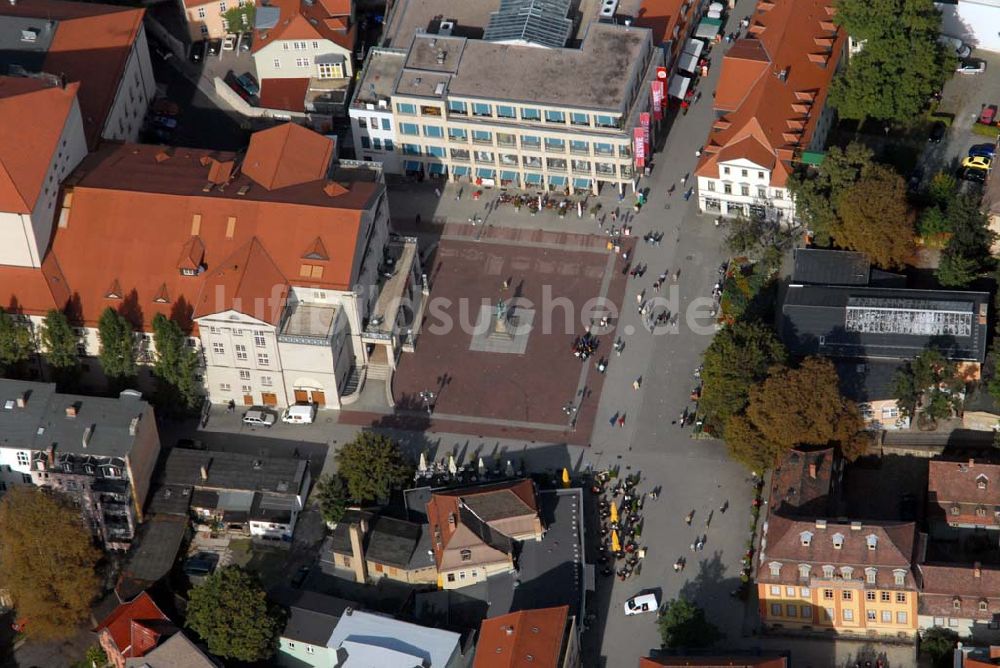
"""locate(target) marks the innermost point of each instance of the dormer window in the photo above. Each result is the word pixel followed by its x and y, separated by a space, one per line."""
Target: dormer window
pixel 982 481
pixel 114 290
pixel 955 510
pixel 870 574
pixel 956 603
pixel 466 555
pixel 451 519
pixel 900 577
pixel 981 511
pixel 984 605
pixel 828 572
pixel 846 572
pixel 804 571
pixel 872 541
pixel 775 567
pixel 806 538
pixel 838 541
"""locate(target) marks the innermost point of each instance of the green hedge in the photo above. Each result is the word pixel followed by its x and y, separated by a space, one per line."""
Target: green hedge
pixel 986 130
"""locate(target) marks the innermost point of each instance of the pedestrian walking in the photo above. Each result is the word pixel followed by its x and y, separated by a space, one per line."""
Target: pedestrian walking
pixel 437 192
pixel 724 507
pixel 621 420
pixel 690 516
pixel 637 383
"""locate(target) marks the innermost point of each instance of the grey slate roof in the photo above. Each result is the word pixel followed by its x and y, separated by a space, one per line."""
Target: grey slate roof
pixel 169 500
pixel 43 421
pixel 830 267
pixel 312 616
pixel 153 554
pixel 369 640
pixel 883 323
pixel 867 380
pixel 235 471
pixel 542 22
pixel 177 651
pixel 17 51
pixel 393 541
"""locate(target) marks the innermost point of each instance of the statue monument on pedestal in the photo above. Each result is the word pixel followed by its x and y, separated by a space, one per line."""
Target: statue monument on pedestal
pixel 502 322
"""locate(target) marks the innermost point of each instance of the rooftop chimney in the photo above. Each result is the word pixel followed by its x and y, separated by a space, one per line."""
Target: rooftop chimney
pixel 71 411
pixel 972 462
pixel 204 472
pixel 51 455
pixel 509 630
pixel 855 526
pixel 820 524
pixel 357 554
pixel 22 400
pixel 977 569
pixel 812 471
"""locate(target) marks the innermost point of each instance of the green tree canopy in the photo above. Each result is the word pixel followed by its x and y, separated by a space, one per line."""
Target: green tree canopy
pixel 684 625
pixel 372 465
pixel 117 352
pixel 928 382
pixel 175 368
pixel 875 218
pixel 750 447
pixel 939 644
pixel 942 188
pixel 16 341
pixel 901 62
pixel 232 614
pixel 803 406
pixel 816 192
pixel 738 357
pixel 47 560
pixel 331 494
pixel 58 343
pixel 240 18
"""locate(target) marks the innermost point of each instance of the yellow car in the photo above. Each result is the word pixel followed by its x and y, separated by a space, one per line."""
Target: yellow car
pixel 977 162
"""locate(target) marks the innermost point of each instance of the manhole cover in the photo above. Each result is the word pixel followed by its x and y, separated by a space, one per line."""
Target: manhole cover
pixel 689 257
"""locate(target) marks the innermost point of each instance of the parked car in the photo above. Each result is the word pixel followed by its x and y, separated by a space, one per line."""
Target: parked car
pixel 246 41
pixel 978 162
pixel 641 603
pixel 988 114
pixel 249 83
pixel 258 415
pixel 971 66
pixel 214 47
pixel 168 122
pixel 984 150
pixel 962 50
pixel 234 82
pixel 229 42
pixel 197 52
pixel 937 132
pixel 299 414
pixel 974 175
pixel 300 577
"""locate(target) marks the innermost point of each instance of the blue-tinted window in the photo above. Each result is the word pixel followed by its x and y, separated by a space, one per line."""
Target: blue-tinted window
pixel 606 121
pixel 456 107
pixel 506 111
pixel 528 114
pixel 555 116
pixel 433 131
pixel 435 151
pixel 482 135
pixel 481 109
pixel 576 118
pixel 579 146
pixel 366 142
pixel 388 144
pixel 458 134
pixel 528 141
pixel 554 144
pixel 386 124
pixel 406 108
pixel 409 129
pixel 411 149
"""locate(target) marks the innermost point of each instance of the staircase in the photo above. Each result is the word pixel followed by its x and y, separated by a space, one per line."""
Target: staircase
pixel 352 382
pixel 378 371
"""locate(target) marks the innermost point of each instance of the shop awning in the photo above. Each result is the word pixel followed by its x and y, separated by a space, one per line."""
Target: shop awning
pixel 413 166
pixel 716 7
pixel 708 28
pixel 485 172
pixel 557 180
pixel 437 168
pixel 694 47
pixel 688 62
pixel 506 175
pixel 678 86
pixel 532 178
pixel 581 183
pixel 460 170
pixel 814 158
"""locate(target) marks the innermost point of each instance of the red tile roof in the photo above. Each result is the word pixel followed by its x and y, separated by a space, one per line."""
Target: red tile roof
pixel 715 662
pixel 525 639
pixel 284 94
pixel 972 487
pixel 91 45
pixel 136 627
pixel 969 584
pixel 665 18
pixel 287 155
pixel 301 20
pixel 446 503
pixel 139 214
pixel 894 542
pixel 779 112
pixel 801 483
pixel 35 114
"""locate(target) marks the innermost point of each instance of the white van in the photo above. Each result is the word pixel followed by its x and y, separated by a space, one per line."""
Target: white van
pixel 299 414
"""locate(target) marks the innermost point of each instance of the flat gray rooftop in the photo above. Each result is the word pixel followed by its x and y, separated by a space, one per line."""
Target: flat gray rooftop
pixel 379 78
pixel 234 471
pixel 595 76
pixel 27 53
pixel 410 17
pixel 310 320
pixel 43 421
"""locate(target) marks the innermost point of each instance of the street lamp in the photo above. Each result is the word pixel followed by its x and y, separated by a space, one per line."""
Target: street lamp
pixel 427 396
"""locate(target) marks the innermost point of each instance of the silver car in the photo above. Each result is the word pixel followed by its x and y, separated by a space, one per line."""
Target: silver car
pixel 259 416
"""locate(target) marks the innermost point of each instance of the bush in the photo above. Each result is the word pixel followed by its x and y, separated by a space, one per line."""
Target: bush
pixel 986 130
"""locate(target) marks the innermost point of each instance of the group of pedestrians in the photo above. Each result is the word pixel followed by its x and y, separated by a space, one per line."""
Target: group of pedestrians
pixel 700 539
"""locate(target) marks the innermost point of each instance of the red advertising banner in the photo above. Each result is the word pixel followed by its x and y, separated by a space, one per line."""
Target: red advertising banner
pixel 644 120
pixel 657 99
pixel 639 147
pixel 661 73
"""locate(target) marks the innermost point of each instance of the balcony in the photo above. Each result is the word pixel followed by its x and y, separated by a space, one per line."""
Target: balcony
pixel 307 324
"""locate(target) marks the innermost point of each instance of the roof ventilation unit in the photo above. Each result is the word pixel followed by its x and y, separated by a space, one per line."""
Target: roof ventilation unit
pixel 446 28
pixel 607 12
